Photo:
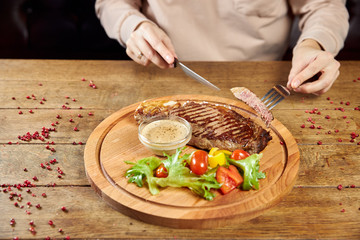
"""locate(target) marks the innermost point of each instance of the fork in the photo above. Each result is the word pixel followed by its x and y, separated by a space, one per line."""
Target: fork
pixel 275 95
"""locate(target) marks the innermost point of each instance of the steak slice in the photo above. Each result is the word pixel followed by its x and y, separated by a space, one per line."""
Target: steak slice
pixel 253 101
pixel 213 125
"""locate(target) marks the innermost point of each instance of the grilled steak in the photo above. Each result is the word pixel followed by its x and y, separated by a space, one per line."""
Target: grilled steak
pixel 213 125
pixel 253 101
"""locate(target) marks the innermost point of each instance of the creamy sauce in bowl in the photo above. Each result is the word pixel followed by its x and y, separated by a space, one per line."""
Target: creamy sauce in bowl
pixel 165 131
pixel 165 134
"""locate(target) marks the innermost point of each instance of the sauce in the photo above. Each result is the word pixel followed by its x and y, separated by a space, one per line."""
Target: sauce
pixel 165 131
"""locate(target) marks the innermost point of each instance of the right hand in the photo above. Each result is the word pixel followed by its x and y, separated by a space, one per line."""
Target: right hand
pixel 148 43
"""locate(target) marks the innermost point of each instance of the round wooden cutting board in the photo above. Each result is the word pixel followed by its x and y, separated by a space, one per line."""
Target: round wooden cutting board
pixel 115 140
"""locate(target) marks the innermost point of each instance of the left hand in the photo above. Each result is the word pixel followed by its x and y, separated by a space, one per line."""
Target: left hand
pixel 309 60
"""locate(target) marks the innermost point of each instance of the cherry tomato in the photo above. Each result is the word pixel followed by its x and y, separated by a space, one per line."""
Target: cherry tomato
pixel 199 162
pixel 230 178
pixel 239 154
pixel 161 172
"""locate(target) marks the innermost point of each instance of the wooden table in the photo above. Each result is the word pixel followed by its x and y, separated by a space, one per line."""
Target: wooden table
pixel 315 208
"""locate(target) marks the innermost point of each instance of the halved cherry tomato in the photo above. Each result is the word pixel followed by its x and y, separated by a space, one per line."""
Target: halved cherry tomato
pixel 239 154
pixel 161 171
pixel 199 162
pixel 230 178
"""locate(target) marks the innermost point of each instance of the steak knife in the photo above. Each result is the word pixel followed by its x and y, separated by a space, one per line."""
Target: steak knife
pixel 194 75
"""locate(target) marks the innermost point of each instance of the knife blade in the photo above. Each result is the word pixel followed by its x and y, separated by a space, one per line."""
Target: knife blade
pixel 194 75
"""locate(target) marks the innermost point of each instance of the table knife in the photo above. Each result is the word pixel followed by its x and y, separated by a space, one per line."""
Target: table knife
pixel 194 75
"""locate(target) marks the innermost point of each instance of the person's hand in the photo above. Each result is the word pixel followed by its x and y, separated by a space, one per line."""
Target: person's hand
pixel 148 43
pixel 308 61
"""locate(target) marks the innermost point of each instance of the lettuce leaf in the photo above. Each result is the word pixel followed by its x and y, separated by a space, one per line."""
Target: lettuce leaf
pixel 250 168
pixel 178 175
pixel 143 169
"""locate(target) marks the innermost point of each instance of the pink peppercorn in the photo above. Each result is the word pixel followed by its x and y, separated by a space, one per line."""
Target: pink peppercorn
pixel 339 187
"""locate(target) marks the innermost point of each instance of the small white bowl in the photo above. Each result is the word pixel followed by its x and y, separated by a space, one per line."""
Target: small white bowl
pixel 165 134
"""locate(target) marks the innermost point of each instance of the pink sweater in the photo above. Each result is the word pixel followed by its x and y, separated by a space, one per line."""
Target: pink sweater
pixel 229 30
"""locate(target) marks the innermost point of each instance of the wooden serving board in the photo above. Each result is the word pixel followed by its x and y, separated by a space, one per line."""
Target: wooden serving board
pixel 115 140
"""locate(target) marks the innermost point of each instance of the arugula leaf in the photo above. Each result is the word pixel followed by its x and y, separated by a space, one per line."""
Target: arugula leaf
pixel 250 167
pixel 178 175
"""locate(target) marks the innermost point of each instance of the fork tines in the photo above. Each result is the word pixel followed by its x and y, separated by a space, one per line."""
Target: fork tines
pixel 274 96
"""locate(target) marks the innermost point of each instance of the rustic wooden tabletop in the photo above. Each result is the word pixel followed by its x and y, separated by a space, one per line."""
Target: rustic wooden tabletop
pixel 73 97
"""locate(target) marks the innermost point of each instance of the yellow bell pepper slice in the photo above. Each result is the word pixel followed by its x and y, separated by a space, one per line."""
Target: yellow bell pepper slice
pixel 218 159
pixel 212 151
pixel 226 152
pixel 215 150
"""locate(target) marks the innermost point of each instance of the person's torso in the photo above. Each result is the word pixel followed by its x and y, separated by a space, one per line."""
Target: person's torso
pixel 223 30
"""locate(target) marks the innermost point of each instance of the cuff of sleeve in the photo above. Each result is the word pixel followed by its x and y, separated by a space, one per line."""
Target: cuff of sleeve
pixel 326 39
pixel 128 26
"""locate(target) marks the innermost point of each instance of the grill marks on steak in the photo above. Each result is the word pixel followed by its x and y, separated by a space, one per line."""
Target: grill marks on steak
pixel 215 126
pixel 218 126
pixel 213 122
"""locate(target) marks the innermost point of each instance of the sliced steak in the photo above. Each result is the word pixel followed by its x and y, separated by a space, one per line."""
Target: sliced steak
pixel 253 101
pixel 213 125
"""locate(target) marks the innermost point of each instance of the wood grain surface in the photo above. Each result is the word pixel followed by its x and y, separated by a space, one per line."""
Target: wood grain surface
pixel 115 140
pixel 314 209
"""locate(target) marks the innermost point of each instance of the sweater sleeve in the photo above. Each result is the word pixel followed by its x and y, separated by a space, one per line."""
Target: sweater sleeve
pixel 119 17
pixel 326 21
